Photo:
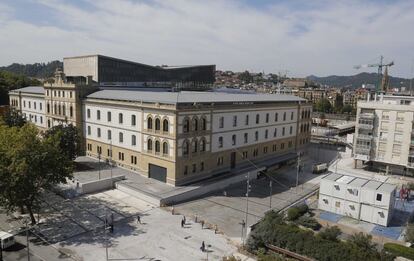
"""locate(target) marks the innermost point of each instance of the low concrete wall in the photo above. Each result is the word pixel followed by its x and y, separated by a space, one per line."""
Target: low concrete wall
pixel 124 187
pixel 99 185
pixel 208 188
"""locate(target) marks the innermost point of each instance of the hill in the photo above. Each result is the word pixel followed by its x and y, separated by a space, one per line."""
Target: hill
pixel 10 81
pixel 36 70
pixel 355 81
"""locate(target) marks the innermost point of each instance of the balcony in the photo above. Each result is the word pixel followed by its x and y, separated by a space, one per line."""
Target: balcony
pixel 366 116
pixel 364 137
pixel 365 126
pixel 363 150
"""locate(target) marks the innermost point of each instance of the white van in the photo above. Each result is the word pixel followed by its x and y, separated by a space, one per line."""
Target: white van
pixel 6 239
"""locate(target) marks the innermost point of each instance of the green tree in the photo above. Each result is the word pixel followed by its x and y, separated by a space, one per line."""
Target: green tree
pixel 69 139
pixel 339 103
pixel 362 241
pixel 28 166
pixel 347 108
pixel 245 77
pixel 323 105
pixel 10 81
pixel 14 118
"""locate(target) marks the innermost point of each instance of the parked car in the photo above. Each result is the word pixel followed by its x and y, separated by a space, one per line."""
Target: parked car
pixel 319 168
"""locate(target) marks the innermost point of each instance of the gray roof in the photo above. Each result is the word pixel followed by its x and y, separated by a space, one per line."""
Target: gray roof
pixel 372 184
pixel 31 89
pixel 189 97
pixel 386 187
pixel 358 182
pixel 333 176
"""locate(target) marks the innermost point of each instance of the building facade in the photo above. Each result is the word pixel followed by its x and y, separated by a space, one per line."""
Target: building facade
pixel 384 134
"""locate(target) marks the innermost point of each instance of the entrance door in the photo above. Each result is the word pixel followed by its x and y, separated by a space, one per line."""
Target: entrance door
pixel 157 172
pixel 233 160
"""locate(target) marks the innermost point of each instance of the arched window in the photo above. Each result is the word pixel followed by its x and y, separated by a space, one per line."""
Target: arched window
pixel 60 110
pixel 149 123
pixel 64 109
pixel 165 125
pixel 195 124
pixel 149 145
pixel 194 146
pixel 56 111
pixel 203 145
pixel 48 108
pixel 157 146
pixel 71 111
pixel 157 124
pixel 185 147
pixel 165 148
pixel 186 125
pixel 203 124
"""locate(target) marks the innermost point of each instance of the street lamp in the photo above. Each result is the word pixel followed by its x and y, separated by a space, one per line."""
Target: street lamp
pixel 271 193
pixel 99 164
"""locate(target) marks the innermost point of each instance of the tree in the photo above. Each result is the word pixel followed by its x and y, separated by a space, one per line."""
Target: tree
pixel 69 139
pixel 14 118
pixel 363 241
pixel 339 103
pixel 347 108
pixel 323 105
pixel 28 166
pixel 10 81
pixel 245 77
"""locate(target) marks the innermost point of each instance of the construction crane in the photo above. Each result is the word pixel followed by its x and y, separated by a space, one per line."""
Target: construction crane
pixel 380 66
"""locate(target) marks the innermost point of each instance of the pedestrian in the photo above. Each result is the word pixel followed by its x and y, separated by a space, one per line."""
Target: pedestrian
pixel 184 219
pixel 138 219
pixel 215 229
pixel 202 224
pixel 203 247
pixel 196 218
pixel 182 222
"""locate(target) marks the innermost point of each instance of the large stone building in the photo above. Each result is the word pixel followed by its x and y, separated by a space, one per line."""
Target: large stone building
pixel 384 133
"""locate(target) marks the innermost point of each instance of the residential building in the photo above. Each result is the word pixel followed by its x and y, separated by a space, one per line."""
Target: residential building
pixel 384 134
pixel 367 200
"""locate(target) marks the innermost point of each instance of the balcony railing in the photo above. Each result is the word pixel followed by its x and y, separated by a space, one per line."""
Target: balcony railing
pixel 365 126
pixel 363 150
pixel 364 137
pixel 366 115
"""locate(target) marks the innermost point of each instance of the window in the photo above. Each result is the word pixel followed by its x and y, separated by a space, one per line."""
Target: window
pixel 89 130
pixel 195 124
pixel 290 144
pixel 220 142
pixel 109 116
pixel 70 94
pixel 133 140
pixel 185 170
pixel 165 148
pixel 24 104
pixel 121 137
pixel 165 125
pixel 234 121
pixel 121 156
pixel 265 150
pixel 255 152
pixel 256 136
pixel 233 139
pixel 186 125
pixel 133 160
pixel 149 145
pixel 257 118
pixel 379 197
pixel 220 161
pixel 149 123
pixel 48 108
pixel 266 134
pixel 194 168
pixel 157 124
pixel 133 120
pixel 98 114
pixel 185 147
pixel 290 130
pixel 203 145
pixel 56 110
pixel 88 113
pixel 34 105
pixel 275 133
pixel 41 120
pixel 221 122
pixel 246 137
pixel 109 133
pixel 244 155
pixel 99 132
pixel 337 204
pixel 267 117
pixel 282 146
pixel 276 116
pixel 247 120
pixel 63 93
pixel 30 105
pixel 203 124
pixel 284 116
pixel 291 115
pixel 201 166
pixel 157 146
pixel 120 118
pixel 283 131
pixel 71 111
pixel 194 146
pixel 274 147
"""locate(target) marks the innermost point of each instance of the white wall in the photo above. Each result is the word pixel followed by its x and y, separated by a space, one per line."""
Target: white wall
pixel 34 114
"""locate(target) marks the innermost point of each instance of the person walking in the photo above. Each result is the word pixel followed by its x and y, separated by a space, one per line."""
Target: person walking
pixel 202 224
pixel 138 219
pixel 203 247
pixel 182 222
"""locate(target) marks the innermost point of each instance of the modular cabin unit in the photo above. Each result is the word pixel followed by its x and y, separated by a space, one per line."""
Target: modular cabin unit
pixel 6 240
pixel 359 198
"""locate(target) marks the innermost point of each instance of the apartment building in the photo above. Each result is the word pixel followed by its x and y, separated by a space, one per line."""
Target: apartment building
pixel 182 137
pixel 384 134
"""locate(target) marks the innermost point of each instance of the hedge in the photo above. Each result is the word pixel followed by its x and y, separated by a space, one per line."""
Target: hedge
pixel 399 250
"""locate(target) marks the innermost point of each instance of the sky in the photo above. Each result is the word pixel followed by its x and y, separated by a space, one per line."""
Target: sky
pixel 297 37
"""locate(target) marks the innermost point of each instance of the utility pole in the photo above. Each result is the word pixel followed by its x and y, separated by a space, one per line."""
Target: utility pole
pixel 271 193
pixel 247 202
pixel 297 172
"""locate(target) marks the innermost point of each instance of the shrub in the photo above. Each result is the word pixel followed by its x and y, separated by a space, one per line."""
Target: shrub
pixel 294 213
pixel 309 222
pixel 330 233
pixel 362 241
pixel 399 250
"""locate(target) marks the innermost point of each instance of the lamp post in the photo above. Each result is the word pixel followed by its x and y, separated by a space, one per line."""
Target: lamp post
pixel 99 165
pixel 271 193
